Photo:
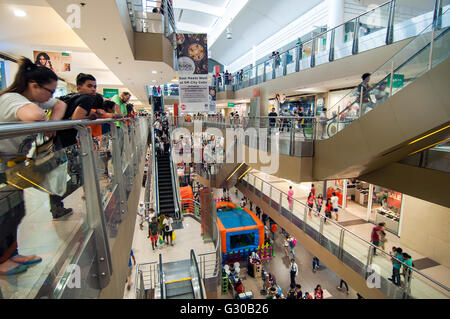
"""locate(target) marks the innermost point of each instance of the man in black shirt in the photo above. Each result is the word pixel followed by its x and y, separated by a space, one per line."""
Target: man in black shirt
pixel 79 106
pixel 272 119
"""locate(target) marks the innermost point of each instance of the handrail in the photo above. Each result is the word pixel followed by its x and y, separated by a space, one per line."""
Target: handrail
pixel 322 33
pixel 155 168
pixel 359 237
pixel 175 182
pixel 196 274
pixel 21 128
pixel 426 30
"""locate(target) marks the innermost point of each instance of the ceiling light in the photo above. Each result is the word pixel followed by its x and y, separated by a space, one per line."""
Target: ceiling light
pixel 154 81
pixel 20 13
pixel 154 72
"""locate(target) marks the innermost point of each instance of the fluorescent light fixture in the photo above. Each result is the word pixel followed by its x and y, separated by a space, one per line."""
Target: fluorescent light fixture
pixel 20 13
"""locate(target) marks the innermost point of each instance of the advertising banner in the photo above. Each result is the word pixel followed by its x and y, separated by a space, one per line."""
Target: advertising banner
pixel 394 199
pixel 56 61
pixel 212 100
pixel 192 54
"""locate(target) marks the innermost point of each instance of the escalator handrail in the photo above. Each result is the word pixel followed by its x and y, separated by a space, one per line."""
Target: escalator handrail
pixel 196 275
pixel 155 168
pixel 357 236
pixel 427 29
pixel 174 176
pixel 161 279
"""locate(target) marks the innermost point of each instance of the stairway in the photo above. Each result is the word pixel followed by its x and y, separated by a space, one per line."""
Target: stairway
pixel 166 196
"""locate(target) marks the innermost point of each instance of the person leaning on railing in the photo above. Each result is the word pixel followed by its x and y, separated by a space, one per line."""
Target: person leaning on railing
pixel 20 102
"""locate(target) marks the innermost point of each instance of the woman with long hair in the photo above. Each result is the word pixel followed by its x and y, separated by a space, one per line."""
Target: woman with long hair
pixel 19 102
pixel 310 202
pixel 43 59
pixel 318 292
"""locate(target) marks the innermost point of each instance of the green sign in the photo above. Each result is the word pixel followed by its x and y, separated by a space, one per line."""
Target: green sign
pixel 231 104
pixel 398 81
pixel 108 93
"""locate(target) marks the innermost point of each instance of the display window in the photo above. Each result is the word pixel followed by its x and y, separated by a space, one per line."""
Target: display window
pixel 386 207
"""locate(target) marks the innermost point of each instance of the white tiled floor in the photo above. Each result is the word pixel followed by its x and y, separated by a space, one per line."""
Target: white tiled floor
pixel 187 238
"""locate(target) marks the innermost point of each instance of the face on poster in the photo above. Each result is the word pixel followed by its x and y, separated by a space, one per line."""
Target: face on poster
pixel 55 61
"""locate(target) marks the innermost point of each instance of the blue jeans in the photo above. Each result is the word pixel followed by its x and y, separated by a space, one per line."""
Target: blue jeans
pixel 316 262
pixel 343 282
pixel 396 276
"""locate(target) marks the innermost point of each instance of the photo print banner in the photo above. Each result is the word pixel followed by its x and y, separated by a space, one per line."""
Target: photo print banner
pixel 56 61
pixel 192 54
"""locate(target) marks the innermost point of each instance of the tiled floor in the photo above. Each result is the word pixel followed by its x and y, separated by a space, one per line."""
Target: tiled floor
pixel 187 238
pixel 39 234
pixel 279 267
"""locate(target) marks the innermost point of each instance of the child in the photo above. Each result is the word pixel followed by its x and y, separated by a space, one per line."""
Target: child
pixel 328 209
pixel 319 203
pixel 310 203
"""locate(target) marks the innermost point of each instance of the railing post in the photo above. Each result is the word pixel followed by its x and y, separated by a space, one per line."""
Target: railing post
pixel 361 100
pixel 118 171
pixel 321 229
pixel 280 203
pixel 264 74
pixel 369 259
pixel 332 37
pixel 390 26
pixel 313 53
pixel 285 63
pixel 94 207
pixel 274 67
pixel 341 244
pixel 355 46
pixel 436 23
pixel 392 78
pixel 256 75
pixel 270 196
pixel 292 138
pixel 298 56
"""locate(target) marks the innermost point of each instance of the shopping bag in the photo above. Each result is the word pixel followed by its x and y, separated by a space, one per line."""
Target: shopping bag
pixel 56 180
pixel 161 241
pixel 173 236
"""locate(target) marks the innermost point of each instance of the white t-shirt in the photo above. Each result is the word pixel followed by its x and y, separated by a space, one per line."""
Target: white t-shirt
pixel 168 222
pixel 334 201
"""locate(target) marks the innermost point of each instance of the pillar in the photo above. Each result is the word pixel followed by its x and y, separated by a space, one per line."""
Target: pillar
pixel 335 18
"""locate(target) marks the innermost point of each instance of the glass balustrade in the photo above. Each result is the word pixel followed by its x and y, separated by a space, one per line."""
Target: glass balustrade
pixel 85 177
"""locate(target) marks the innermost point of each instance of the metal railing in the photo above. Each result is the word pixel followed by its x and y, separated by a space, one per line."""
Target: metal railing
pixel 147 278
pixel 107 173
pixel 388 23
pixel 196 279
pixel 351 248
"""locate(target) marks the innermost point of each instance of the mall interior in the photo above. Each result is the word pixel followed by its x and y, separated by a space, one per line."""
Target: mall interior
pixel 224 149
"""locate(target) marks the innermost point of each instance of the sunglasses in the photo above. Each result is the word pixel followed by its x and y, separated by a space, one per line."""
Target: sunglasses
pixel 47 89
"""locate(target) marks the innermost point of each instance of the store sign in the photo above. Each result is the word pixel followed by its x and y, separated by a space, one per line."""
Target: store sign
pixel 108 93
pixel 192 55
pixel 399 79
pixel 56 61
pixel 231 104
pixel 394 199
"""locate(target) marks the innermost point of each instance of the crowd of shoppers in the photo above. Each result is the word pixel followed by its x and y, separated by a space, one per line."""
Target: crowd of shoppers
pixel 30 99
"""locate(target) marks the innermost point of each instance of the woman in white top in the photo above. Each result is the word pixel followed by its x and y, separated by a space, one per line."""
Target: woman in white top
pixel 18 103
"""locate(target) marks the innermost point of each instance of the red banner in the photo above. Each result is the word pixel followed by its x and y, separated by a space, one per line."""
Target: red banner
pixel 394 199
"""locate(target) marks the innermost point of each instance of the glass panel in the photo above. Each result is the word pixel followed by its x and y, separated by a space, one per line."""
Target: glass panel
pixel 269 69
pixel 305 61
pixel 279 60
pixel 104 164
pixel 290 60
pixel 343 41
pixel 260 68
pixel 410 20
pixel 373 28
pixel 355 253
pixel 26 217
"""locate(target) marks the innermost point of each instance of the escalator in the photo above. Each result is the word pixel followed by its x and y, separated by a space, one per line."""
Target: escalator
pixel 181 279
pixel 166 195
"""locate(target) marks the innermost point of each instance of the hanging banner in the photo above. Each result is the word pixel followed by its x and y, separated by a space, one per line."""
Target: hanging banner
pixel 56 61
pixel 212 100
pixel 192 54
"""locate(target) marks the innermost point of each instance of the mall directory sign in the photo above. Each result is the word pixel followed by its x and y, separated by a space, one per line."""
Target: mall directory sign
pixel 192 58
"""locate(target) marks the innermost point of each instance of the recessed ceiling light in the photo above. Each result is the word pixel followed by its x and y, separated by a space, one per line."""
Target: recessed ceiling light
pixel 20 13
pixel 154 72
pixel 154 81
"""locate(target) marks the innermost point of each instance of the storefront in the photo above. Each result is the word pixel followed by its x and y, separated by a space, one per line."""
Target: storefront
pixel 369 202
pixel 338 100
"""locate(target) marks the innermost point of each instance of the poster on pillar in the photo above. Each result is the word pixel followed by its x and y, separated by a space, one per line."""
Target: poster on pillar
pixel 192 57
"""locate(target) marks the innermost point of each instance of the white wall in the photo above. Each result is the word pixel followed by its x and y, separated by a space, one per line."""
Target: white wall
pixel 425 228
pixel 10 72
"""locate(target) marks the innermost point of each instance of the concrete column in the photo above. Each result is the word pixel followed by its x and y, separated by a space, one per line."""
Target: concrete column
pixel 264 103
